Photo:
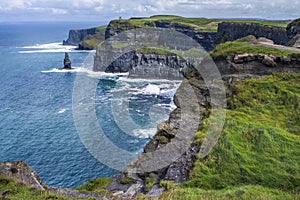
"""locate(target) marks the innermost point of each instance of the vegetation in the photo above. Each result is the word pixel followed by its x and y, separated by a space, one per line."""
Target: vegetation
pixel 244 45
pixel 150 50
pixel 98 185
pixel 249 192
pixel 258 155
pixel 93 41
pixel 203 24
pixel 127 180
pixel 150 181
pixel 11 189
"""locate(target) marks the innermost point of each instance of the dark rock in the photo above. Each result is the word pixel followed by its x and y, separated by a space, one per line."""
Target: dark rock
pixel 67 62
pixel 230 31
pixel 293 32
pixel 179 170
pixel 156 191
pixel 76 36
pixel 116 184
pixel 134 190
pixel 140 65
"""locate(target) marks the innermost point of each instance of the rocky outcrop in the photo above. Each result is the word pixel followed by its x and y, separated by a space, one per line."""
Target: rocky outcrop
pixel 177 171
pixel 258 64
pixel 21 171
pixel 230 31
pixel 77 36
pixel 67 62
pixel 293 32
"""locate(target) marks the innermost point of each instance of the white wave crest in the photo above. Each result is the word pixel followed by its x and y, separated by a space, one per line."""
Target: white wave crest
pixel 57 70
pixel 90 73
pixel 144 133
pixel 62 111
pixel 151 89
pixel 56 47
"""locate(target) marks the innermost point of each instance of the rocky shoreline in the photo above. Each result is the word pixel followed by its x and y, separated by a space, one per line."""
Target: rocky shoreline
pixel 233 68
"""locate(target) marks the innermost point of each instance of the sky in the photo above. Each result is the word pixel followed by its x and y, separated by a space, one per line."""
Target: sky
pixel 105 10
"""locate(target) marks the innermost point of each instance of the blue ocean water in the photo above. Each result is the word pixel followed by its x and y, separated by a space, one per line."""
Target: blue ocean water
pixel 36 119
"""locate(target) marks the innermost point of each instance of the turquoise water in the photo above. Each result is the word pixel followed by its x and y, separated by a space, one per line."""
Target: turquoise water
pixel 36 120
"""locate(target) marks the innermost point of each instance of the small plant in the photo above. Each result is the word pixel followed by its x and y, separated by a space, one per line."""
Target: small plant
pixel 150 181
pixel 127 180
pixel 94 185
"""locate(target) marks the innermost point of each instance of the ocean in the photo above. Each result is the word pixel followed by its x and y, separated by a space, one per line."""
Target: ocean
pixel 36 113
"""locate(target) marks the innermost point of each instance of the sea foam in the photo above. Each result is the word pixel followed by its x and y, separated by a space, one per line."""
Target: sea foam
pixel 56 47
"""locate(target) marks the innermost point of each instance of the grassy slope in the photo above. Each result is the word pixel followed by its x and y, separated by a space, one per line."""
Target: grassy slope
pixel 203 24
pixel 17 191
pixel 244 46
pixel 97 185
pixel 258 154
pixel 96 39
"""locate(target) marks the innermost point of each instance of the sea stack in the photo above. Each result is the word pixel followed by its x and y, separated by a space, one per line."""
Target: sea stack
pixel 67 62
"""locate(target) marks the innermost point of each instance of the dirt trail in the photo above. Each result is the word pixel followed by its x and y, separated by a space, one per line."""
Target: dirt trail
pixel 281 47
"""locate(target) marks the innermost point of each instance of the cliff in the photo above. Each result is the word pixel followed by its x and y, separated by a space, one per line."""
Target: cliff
pixel 230 31
pixel 293 32
pixel 19 181
pixel 208 40
pixel 207 32
pixel 145 63
pixel 237 61
pixel 86 39
pixel 77 36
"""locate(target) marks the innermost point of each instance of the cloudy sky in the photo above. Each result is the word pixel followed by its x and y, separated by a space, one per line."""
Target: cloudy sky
pixel 105 10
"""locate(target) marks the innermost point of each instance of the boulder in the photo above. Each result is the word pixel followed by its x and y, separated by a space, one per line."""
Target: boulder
pixel 269 61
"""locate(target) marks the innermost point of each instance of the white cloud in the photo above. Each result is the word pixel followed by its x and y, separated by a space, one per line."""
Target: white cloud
pixel 57 11
pixel 111 9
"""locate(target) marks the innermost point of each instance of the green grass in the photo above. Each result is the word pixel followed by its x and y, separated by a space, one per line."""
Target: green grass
pixel 203 24
pixel 244 46
pixel 127 180
pixel 18 191
pixel 249 192
pixel 150 181
pixel 95 40
pixel 97 185
pixel 151 50
pixel 258 151
pixel 281 24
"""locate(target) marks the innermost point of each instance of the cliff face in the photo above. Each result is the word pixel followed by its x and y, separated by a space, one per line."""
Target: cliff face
pixel 227 31
pixel 233 68
pixel 77 36
pixel 208 40
pixel 230 31
pixel 145 65
pixel 293 32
